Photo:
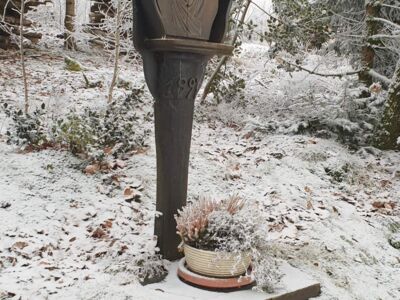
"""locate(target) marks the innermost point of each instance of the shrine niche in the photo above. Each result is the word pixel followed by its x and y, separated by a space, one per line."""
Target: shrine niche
pixel 190 18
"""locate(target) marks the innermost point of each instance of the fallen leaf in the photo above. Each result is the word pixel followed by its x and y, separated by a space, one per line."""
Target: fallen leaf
pixel 5 205
pixel 100 254
pixel 98 233
pixel 122 250
pixel 141 150
pixel 348 200
pixel 91 169
pixel 107 224
pixel 108 150
pixel 252 149
pixel 248 135
pixel 19 245
pixel 277 155
pixel 10 295
pixel 132 194
pixel 120 163
pixel 309 204
pixel 385 183
pixel 381 204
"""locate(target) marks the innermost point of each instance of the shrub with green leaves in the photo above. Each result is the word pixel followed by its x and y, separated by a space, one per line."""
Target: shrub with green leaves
pixel 298 24
pixel 228 84
pixel 93 134
pixel 27 129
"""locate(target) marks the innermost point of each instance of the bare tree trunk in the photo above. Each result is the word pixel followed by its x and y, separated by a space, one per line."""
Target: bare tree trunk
pixel 388 133
pixel 69 24
pixel 224 59
pixel 21 49
pixel 117 50
pixel 372 9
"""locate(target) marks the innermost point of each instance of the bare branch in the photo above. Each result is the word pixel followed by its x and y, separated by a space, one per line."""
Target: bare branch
pixel 117 51
pixel 382 78
pixel 313 72
pixel 21 49
pixel 390 23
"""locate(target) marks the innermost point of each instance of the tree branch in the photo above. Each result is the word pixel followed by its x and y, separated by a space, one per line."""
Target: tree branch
pixel 390 23
pixel 21 48
pixel 225 58
pixel 382 78
pixel 313 72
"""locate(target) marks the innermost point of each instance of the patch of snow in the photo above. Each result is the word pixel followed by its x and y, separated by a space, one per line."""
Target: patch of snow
pixel 317 196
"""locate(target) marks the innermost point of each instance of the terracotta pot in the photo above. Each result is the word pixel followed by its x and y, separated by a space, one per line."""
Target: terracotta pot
pixel 216 264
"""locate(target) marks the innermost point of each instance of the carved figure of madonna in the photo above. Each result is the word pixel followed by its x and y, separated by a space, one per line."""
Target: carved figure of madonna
pixel 190 18
pixel 186 16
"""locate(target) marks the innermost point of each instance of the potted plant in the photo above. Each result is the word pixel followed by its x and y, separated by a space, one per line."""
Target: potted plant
pixel 219 238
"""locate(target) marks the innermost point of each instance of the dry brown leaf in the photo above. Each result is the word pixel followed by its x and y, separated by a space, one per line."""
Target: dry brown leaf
pixel 385 183
pixel 107 224
pixel 108 150
pixel 92 169
pixel 131 194
pixel 19 245
pixel 252 149
pixel 141 150
pixel 389 205
pixel 122 250
pixel 248 135
pixel 278 227
pixel 99 233
pixel 309 204
pixel 381 204
pixel 100 254
pixel 120 164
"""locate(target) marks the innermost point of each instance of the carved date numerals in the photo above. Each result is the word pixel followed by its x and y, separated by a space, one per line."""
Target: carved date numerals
pixel 181 88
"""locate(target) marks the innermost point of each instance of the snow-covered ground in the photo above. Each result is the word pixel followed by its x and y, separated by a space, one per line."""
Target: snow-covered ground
pixel 330 210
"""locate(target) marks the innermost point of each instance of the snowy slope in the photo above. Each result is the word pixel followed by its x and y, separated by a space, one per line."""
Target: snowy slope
pixel 67 235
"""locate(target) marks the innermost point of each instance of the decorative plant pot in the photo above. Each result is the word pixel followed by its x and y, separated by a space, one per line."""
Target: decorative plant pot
pixel 216 264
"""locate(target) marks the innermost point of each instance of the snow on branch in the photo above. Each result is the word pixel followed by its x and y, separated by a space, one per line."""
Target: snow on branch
pixel 390 6
pixel 379 77
pixel 384 36
pixel 313 72
pixel 390 23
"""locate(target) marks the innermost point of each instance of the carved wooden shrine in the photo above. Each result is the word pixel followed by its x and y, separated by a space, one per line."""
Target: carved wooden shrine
pixel 176 38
